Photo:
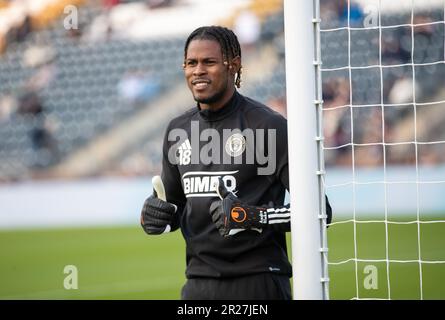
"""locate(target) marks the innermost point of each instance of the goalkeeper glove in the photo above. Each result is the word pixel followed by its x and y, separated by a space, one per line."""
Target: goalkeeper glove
pixel 157 215
pixel 231 216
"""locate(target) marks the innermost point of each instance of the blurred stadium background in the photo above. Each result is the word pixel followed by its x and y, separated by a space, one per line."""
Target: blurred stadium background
pixel 86 91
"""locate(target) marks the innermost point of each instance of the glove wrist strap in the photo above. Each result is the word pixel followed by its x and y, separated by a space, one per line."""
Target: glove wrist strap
pixel 248 217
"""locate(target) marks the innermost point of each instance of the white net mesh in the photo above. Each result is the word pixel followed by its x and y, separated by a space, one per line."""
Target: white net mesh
pixel 384 102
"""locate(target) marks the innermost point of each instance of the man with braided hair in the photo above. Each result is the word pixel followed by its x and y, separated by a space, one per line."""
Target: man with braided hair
pixel 223 182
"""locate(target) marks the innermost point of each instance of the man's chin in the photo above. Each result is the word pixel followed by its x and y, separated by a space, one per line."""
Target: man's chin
pixel 204 100
pixel 200 98
pixel 209 99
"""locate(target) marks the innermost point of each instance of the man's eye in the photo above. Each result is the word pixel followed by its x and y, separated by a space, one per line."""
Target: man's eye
pixel 190 63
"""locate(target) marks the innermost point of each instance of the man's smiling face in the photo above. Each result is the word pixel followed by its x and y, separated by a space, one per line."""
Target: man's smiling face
pixel 209 79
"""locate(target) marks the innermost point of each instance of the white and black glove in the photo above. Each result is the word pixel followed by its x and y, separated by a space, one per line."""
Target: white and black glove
pixel 157 214
pixel 231 216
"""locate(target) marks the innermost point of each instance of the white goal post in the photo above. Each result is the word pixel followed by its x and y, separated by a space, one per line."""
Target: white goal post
pixel 308 223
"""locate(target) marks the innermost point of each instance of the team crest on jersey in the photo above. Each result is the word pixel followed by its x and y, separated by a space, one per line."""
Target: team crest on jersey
pixel 235 145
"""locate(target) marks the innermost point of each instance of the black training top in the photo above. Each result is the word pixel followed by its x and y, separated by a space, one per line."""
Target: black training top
pixel 205 146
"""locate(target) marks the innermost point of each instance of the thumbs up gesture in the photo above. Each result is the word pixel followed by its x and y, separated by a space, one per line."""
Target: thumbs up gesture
pixel 157 214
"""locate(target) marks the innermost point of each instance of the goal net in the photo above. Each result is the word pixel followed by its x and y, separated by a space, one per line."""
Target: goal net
pixel 383 80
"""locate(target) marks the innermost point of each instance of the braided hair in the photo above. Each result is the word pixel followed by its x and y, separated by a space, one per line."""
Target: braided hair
pixel 226 38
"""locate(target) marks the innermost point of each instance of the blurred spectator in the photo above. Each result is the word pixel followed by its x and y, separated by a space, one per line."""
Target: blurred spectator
pixel 138 87
pixel 428 48
pixel 396 46
pixel 100 29
pixel 42 78
pixel 351 9
pixel 402 91
pixel 248 30
pixel 75 33
pixel 431 158
pixel 19 32
pixel 41 132
pixel 42 139
pixel 336 122
pixel 426 40
pixel 37 55
pixel 328 12
pixel 24 29
pixel 335 13
pixel 30 104
pixel 423 25
pixel 8 105
pixel 336 92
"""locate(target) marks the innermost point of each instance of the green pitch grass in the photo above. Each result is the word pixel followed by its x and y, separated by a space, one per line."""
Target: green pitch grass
pixel 124 263
pixel 112 263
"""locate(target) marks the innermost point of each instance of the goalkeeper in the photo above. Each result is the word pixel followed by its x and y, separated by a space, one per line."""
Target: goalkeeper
pixel 231 214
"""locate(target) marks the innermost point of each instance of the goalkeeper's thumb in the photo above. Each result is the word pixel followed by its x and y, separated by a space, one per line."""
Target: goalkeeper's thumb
pixel 158 188
pixel 159 192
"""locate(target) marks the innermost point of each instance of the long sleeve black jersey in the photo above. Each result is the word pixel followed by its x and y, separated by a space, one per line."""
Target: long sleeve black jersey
pixel 245 143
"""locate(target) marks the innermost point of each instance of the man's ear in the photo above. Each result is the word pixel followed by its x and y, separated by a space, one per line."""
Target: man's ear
pixel 235 65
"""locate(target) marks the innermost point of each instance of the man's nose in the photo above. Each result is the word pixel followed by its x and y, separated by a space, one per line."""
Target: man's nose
pixel 199 69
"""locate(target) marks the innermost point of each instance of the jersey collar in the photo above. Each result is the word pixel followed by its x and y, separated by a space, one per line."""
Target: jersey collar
pixel 225 111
